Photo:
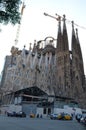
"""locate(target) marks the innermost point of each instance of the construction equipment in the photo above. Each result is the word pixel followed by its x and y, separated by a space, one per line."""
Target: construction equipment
pixel 19 25
pixel 59 17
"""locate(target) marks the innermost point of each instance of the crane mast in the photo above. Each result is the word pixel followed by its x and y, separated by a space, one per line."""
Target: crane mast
pixel 19 25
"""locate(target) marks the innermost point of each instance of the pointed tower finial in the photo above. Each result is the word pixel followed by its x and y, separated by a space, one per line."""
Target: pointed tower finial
pixel 76 32
pixel 77 35
pixel 73 31
pixel 64 18
pixel 72 23
pixel 59 35
pixel 65 45
pixel 59 19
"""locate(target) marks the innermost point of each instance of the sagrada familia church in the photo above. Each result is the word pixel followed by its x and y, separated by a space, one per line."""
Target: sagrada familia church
pixel 46 69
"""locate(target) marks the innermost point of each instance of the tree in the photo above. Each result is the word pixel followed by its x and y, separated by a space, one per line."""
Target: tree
pixel 9 11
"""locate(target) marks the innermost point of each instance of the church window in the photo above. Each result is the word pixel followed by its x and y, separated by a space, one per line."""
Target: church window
pixel 77 77
pixel 53 60
pixel 69 86
pixel 44 111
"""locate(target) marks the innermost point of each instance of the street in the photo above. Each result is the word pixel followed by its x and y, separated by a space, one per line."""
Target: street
pixel 13 123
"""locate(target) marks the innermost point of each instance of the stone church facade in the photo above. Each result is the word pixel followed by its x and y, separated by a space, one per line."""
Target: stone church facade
pixel 49 65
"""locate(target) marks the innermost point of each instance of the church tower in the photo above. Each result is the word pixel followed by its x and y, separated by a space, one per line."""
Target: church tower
pixel 63 61
pixel 81 66
pixel 78 78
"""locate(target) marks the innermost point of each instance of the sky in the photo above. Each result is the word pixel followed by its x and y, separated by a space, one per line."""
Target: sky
pixel 36 26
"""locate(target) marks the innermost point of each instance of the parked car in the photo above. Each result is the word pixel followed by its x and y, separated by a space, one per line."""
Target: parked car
pixel 11 114
pixel 20 114
pixel 64 116
pixel 83 120
pixel 78 117
pixel 54 116
pixel 16 114
pixel 61 116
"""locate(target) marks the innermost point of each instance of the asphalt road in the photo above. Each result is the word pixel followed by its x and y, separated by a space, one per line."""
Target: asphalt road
pixel 13 123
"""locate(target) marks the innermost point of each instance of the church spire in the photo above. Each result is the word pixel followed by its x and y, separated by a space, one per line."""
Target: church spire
pixel 78 44
pixel 59 36
pixel 77 35
pixel 65 36
pixel 73 40
pixel 79 52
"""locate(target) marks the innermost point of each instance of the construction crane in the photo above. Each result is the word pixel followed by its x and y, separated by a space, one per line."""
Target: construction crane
pixel 58 17
pixel 13 49
pixel 19 25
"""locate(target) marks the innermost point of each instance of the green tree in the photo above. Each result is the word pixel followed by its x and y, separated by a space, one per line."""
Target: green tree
pixel 9 11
